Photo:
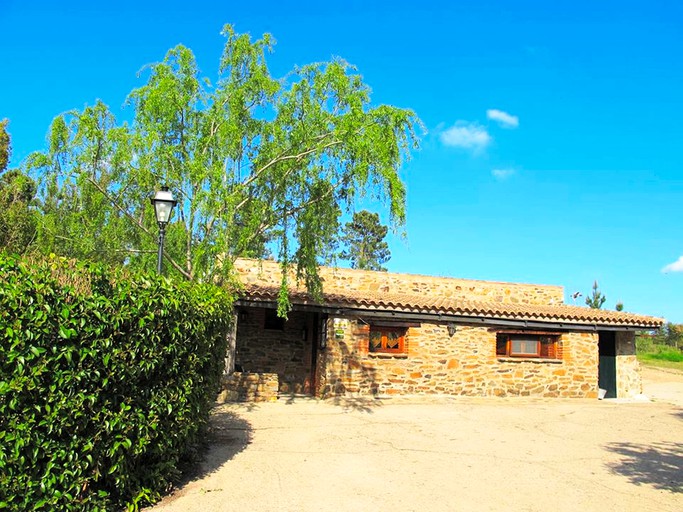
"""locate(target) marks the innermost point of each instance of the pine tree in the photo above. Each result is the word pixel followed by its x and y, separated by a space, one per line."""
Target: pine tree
pixel 596 299
pixel 364 244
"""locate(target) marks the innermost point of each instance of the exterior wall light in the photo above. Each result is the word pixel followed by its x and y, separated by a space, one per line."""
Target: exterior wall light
pixel 322 334
pixel 451 329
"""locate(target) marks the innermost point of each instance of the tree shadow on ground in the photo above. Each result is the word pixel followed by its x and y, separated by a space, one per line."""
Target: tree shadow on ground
pixel 346 402
pixel 356 403
pixel 353 386
pixel 246 405
pixel 228 435
pixel 657 464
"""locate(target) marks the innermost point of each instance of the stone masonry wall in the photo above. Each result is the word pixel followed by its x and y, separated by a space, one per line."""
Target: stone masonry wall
pixel 629 382
pixel 281 352
pixel 249 387
pixel 465 364
pixel 358 281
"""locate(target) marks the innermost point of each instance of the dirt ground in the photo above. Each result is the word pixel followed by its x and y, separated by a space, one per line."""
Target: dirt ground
pixel 662 385
pixel 446 455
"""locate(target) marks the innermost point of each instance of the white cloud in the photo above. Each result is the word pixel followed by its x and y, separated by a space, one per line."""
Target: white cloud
pixel 466 135
pixel 502 174
pixel 503 118
pixel 676 266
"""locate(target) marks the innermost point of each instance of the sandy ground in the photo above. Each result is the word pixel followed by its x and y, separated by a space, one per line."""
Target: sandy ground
pixel 662 385
pixel 446 455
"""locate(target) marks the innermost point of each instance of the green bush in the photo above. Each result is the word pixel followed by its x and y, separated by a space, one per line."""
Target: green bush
pixel 106 382
pixel 644 343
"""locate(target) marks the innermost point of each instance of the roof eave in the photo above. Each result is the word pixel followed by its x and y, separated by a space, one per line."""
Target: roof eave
pixel 482 320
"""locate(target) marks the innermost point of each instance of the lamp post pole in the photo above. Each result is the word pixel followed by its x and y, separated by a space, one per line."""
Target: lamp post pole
pixel 163 203
pixel 160 255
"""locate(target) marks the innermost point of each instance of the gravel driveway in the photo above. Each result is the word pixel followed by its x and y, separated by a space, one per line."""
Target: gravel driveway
pixel 442 455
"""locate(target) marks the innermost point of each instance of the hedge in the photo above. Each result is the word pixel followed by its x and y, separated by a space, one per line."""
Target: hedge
pixel 106 382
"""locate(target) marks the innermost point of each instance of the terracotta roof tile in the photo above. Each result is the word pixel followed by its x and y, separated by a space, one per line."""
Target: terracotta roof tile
pixel 386 302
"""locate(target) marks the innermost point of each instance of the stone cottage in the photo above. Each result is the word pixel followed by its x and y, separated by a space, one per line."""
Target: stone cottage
pixel 383 334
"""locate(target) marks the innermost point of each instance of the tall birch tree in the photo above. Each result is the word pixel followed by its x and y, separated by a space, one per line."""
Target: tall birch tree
pixel 257 163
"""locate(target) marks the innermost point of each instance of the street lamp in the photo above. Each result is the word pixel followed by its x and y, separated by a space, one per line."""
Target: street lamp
pixel 163 203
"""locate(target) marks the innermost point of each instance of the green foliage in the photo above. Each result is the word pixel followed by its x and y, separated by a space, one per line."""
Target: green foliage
pixel 670 335
pixel 363 241
pixel 106 382
pixel 255 161
pixel 596 299
pixel 77 220
pixel 619 306
pixel 5 146
pixel 18 219
pixel 661 348
pixel 665 354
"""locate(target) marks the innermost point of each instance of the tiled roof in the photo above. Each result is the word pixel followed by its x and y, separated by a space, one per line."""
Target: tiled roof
pixel 404 303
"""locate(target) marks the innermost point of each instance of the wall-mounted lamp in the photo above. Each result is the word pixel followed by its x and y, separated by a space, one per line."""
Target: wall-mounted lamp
pixel 243 316
pixel 322 334
pixel 451 329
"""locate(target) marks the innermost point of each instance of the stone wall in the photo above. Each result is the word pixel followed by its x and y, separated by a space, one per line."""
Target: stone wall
pixel 434 362
pixel 629 382
pixel 465 364
pixel 357 281
pixel 249 387
pixel 282 352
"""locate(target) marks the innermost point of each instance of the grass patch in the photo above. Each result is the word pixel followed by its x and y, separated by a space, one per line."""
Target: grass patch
pixel 658 355
pixel 670 354
pixel 661 356
pixel 646 360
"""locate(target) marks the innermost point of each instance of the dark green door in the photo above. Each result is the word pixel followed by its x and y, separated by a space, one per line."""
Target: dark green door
pixel 607 367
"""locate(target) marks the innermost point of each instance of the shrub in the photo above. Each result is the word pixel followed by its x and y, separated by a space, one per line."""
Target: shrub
pixel 106 382
pixel 644 343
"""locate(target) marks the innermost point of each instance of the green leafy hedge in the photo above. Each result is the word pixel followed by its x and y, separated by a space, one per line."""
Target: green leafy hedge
pixel 106 382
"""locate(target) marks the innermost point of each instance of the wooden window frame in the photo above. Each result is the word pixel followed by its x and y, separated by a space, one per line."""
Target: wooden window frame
pixel 547 345
pixel 383 348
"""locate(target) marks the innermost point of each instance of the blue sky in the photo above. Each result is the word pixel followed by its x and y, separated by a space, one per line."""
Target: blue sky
pixel 552 151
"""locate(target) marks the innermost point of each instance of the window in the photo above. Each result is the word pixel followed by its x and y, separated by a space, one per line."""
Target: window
pixel 530 344
pixel 387 339
pixel 273 322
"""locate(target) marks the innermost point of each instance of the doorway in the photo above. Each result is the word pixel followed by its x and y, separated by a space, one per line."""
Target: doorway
pixel 607 366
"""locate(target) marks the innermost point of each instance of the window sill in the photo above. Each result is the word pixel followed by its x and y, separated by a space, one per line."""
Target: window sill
pixel 387 355
pixel 537 360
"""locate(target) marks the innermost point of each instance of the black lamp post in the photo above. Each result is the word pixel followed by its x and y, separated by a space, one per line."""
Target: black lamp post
pixel 163 203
